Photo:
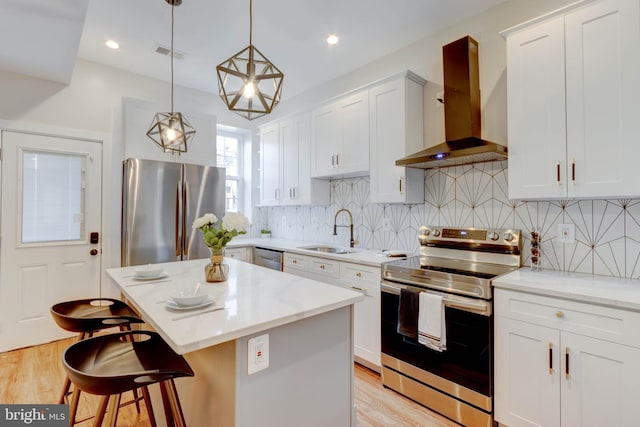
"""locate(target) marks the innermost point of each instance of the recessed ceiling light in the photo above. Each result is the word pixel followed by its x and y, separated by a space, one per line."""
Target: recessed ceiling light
pixel 332 39
pixel 112 44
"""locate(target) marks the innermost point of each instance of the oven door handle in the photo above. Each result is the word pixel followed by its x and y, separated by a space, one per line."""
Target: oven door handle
pixel 454 301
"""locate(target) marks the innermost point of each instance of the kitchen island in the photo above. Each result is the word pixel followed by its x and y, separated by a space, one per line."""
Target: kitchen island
pixel 309 380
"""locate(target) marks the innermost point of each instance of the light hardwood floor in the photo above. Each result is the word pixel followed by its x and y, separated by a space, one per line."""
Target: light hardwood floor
pixel 35 375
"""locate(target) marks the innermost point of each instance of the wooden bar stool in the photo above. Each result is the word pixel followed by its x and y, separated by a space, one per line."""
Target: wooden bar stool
pixel 109 365
pixel 86 316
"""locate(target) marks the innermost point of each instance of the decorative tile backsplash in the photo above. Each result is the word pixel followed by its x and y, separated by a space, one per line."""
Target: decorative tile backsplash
pixel 607 231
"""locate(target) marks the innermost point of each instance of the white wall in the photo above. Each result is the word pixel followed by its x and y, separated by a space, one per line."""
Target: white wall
pixel 95 90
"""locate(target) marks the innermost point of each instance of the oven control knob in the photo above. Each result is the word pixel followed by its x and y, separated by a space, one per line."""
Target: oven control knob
pixel 425 231
pixel 508 237
pixel 493 236
pixel 436 233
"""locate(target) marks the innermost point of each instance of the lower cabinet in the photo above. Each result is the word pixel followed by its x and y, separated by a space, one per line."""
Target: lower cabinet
pixel 358 277
pixel 564 363
pixel 241 253
pixel 366 324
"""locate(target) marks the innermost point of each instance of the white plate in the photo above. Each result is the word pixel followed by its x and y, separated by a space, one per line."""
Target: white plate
pixel 162 275
pixel 173 306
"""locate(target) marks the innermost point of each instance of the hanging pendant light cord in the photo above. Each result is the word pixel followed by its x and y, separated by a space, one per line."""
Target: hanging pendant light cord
pixel 250 22
pixel 172 8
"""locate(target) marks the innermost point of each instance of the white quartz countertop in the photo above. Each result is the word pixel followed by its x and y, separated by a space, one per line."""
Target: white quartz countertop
pixel 359 256
pixel 254 299
pixel 601 290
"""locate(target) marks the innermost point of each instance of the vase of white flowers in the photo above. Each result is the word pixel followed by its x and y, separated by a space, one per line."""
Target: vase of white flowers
pixel 216 235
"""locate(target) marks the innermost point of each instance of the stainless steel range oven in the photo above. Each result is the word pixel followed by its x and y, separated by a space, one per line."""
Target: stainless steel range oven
pixel 458 265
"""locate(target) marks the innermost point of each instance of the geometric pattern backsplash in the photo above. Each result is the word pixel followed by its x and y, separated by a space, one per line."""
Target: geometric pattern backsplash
pixel 607 231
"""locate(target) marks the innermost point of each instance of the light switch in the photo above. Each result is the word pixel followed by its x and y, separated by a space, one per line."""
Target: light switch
pixel 257 354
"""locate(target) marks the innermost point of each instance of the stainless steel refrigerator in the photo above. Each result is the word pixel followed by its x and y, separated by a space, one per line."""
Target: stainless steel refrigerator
pixel 160 200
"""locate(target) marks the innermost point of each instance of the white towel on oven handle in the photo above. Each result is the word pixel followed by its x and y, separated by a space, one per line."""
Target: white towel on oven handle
pixel 432 331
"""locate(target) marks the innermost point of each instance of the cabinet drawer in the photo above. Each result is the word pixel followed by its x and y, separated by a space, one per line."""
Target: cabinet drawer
pixel 356 273
pixel 324 267
pixel 237 253
pixel 596 321
pixel 299 262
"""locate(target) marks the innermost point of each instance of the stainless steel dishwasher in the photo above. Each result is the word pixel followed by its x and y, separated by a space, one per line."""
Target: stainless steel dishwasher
pixel 267 258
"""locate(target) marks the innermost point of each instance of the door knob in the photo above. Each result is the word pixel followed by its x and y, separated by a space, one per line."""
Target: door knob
pixel 93 252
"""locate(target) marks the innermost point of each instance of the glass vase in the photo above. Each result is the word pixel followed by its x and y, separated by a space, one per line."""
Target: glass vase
pixel 216 270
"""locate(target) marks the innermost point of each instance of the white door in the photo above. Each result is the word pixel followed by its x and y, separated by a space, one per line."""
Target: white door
pixel 601 383
pixel 51 205
pixel 536 110
pixel 526 374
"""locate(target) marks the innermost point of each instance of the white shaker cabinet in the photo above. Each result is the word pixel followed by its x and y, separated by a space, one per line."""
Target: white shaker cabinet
pixel 572 102
pixel 270 165
pixel 340 137
pixel 298 188
pixel 564 363
pixel 361 278
pixel 366 321
pixel 396 130
pixel 285 174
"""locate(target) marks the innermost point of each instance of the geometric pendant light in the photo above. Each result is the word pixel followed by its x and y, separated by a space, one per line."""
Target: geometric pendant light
pixel 171 131
pixel 248 82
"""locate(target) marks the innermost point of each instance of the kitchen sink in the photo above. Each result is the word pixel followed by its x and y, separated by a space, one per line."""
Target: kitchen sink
pixel 328 249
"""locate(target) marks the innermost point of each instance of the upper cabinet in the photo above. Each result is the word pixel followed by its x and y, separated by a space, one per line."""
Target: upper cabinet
pixel 137 117
pixel 396 130
pixel 572 102
pixel 270 165
pixel 285 175
pixel 340 137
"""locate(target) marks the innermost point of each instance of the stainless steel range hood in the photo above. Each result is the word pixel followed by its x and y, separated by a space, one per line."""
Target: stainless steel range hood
pixel 464 143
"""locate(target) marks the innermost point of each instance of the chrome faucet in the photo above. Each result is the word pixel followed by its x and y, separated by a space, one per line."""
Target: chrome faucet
pixel 352 242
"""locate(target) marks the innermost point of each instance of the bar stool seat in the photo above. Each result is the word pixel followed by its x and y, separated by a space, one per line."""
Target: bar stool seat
pixel 109 365
pixel 86 316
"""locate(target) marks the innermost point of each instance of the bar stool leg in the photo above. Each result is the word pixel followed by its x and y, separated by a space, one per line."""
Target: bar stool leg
pixel 175 404
pixel 147 404
pixel 112 412
pixel 73 406
pixel 104 401
pixel 65 390
pixel 168 413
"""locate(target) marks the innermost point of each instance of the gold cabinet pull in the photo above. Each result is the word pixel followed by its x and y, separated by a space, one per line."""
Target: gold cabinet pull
pixel 559 314
pixel 573 171
pixel 566 362
pixel 558 173
pixel 358 274
pixel 322 266
pixel 550 358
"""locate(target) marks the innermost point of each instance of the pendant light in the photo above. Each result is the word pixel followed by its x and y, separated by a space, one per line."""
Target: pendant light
pixel 248 82
pixel 171 131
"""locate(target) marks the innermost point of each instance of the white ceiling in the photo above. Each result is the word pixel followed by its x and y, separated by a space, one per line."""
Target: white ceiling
pixel 290 33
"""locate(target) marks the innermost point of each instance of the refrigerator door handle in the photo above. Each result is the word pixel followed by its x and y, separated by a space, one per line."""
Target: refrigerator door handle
pixel 185 216
pixel 178 243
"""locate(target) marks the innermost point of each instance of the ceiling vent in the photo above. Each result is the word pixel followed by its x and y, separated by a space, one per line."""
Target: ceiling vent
pixel 166 51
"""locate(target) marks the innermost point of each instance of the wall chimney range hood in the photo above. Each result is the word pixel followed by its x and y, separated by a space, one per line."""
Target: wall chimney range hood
pixel 464 144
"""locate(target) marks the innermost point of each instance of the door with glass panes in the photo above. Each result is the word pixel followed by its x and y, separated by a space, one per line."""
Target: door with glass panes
pixel 50 224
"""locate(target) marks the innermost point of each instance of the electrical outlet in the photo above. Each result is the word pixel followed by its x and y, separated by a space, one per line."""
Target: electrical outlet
pixel 566 233
pixel 386 224
pixel 257 354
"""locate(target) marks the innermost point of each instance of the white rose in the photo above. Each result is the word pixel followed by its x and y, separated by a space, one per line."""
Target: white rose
pixel 205 219
pixel 235 221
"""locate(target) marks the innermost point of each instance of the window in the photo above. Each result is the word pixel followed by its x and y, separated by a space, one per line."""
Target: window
pixel 52 197
pixel 229 155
